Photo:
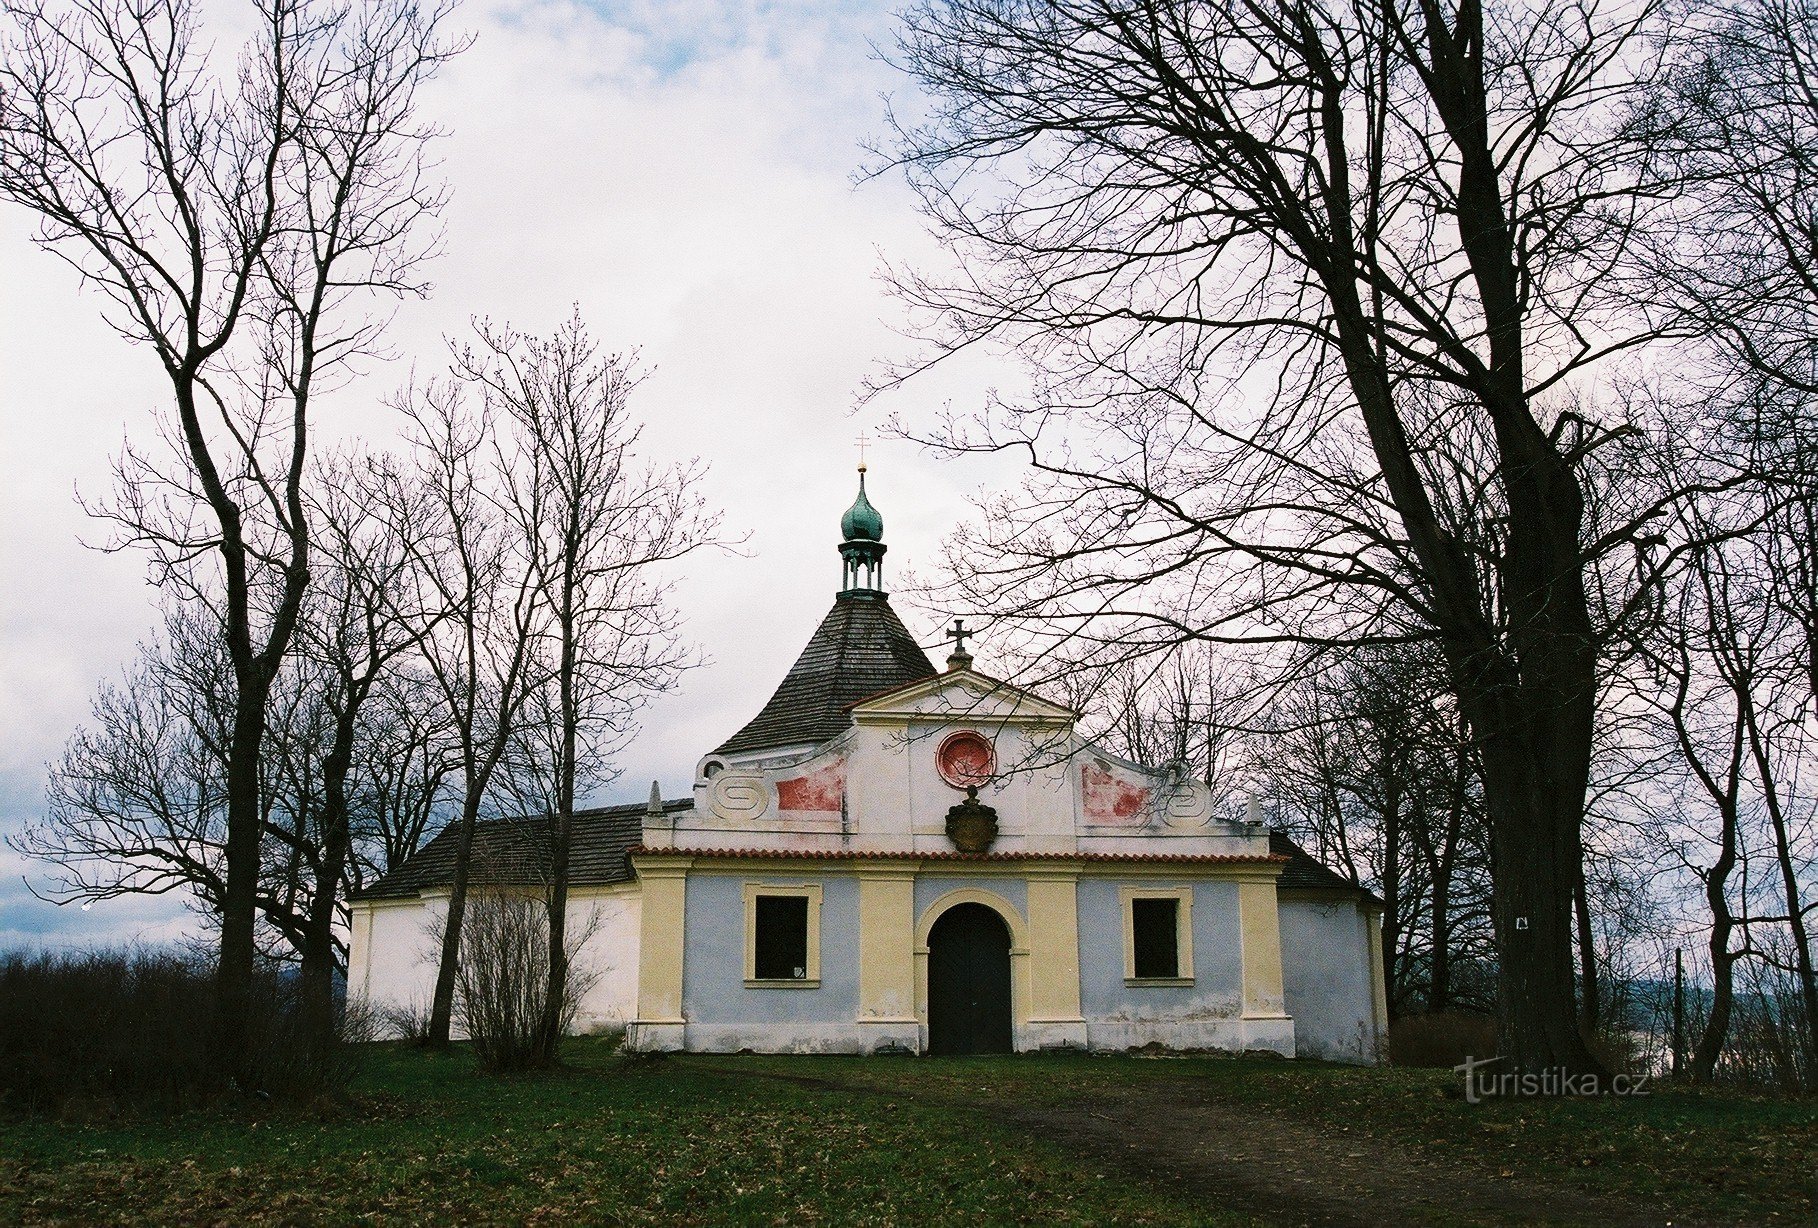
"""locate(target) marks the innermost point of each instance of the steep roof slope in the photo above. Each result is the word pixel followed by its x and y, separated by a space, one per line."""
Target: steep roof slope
pixel 516 852
pixel 1305 872
pixel 860 649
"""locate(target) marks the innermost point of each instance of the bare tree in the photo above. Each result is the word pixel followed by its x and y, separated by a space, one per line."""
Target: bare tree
pixel 1709 665
pixel 1740 267
pixel 137 798
pixel 230 223
pixel 471 574
pixel 1304 283
pixel 599 523
pixel 354 633
pixel 409 758
pixel 1369 763
pixel 502 985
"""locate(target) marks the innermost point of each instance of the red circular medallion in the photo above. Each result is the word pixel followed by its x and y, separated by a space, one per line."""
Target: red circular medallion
pixel 965 759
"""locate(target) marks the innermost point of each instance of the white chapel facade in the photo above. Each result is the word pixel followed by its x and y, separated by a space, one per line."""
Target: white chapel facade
pixel 891 857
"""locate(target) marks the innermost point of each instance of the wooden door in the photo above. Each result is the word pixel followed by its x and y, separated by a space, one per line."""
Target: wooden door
pixel 969 982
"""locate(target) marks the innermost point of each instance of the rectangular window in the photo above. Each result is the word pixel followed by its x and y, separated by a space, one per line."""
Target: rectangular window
pixel 782 935
pixel 782 938
pixel 1158 935
pixel 1155 926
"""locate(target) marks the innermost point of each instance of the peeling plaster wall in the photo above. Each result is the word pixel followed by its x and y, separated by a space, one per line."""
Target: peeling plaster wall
pixel 1207 1013
pixel 1326 979
pixel 715 999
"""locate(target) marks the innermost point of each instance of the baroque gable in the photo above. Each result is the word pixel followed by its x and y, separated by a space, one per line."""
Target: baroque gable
pixel 887 781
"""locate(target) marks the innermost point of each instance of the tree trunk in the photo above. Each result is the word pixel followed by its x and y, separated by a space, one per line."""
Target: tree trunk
pixel 551 1038
pixel 1789 886
pixel 1533 835
pixel 318 985
pixel 235 969
pixel 563 826
pixel 1723 961
pixel 1587 951
pixel 441 1011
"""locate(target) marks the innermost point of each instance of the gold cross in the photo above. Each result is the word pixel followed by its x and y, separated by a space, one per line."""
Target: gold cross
pixel 863 443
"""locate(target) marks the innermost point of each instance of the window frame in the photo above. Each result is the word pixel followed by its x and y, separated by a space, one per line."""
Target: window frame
pixel 808 891
pixel 1183 933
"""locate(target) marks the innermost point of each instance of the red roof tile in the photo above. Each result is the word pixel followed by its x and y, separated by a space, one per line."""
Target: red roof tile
pixel 1260 859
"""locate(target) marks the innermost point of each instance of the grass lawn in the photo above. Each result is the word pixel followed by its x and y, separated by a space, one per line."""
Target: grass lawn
pixel 1719 1156
pixel 814 1140
pixel 429 1139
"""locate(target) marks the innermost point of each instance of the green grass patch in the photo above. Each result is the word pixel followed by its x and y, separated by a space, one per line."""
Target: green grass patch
pixel 806 1140
pixel 429 1138
pixel 1711 1154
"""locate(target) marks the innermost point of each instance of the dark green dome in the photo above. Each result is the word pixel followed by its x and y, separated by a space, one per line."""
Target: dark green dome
pixel 861 521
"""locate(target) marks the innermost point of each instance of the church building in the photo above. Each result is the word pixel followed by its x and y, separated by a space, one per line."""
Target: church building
pixel 892 857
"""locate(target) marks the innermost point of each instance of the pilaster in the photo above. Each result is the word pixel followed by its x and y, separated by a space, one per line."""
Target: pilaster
pixel 664 881
pixel 886 1012
pixel 1054 1007
pixel 1261 926
pixel 1379 990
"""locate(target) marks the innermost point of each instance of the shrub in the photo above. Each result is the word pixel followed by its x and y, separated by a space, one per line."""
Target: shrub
pixel 502 977
pixel 409 1024
pixel 1442 1040
pixel 104 1030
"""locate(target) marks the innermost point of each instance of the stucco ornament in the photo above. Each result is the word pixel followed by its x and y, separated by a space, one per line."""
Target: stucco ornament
pixel 972 825
pixel 740 795
pixel 966 759
pixel 1189 804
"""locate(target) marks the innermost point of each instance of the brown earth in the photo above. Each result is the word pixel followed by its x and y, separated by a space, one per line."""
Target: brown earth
pixel 1268 1165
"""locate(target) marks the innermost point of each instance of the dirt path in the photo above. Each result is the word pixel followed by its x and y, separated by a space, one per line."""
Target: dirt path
pixel 1268 1165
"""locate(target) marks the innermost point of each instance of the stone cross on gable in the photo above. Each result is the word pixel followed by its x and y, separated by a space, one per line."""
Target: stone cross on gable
pixel 959 658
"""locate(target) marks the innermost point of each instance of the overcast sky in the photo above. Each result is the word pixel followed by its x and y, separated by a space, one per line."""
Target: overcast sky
pixel 684 172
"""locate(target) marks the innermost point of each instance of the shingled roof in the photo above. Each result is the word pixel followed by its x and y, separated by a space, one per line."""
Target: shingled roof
pixel 860 649
pixel 516 852
pixel 1305 872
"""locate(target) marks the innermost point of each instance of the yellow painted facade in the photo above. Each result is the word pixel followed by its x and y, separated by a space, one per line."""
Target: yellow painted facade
pixel 661 941
pixel 1261 927
pixel 1379 989
pixel 1054 947
pixel 887 945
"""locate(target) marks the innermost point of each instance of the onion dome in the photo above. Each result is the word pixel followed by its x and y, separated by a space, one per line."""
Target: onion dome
pixel 861 521
pixel 862 553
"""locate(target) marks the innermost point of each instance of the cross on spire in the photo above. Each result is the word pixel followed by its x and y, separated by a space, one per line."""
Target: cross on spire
pixel 864 441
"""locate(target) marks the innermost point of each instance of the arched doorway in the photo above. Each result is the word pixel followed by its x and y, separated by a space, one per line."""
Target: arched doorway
pixel 969 982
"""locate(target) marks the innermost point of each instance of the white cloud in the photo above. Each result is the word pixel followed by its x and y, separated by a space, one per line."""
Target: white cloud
pixel 683 171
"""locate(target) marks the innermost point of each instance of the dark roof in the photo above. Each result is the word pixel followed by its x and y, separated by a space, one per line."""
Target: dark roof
pixel 516 851
pixel 843 854
pixel 1304 873
pixel 860 649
